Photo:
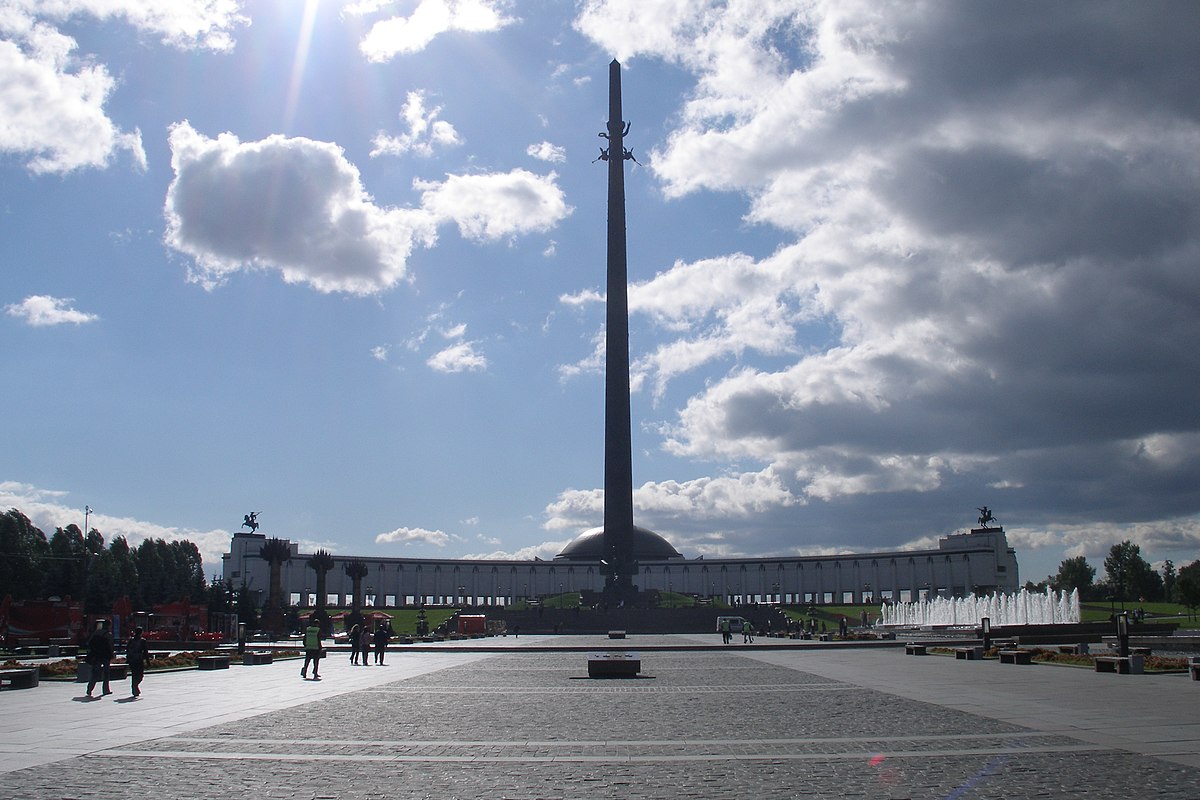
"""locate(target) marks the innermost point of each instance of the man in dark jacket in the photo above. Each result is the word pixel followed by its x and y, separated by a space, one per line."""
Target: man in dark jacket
pixel 135 654
pixel 99 657
pixel 381 642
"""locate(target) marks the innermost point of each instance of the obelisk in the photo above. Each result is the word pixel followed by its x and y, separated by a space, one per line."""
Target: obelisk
pixel 618 436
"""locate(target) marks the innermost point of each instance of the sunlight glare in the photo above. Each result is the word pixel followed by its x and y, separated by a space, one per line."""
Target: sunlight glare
pixel 299 61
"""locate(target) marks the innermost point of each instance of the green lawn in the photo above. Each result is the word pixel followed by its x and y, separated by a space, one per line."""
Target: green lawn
pixel 1100 611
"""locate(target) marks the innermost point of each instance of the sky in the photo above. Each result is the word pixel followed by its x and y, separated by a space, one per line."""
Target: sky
pixel 343 264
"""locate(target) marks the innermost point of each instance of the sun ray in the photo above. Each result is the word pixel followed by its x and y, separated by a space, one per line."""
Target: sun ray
pixel 299 61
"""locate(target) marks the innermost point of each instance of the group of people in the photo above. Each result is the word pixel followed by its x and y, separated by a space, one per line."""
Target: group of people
pixel 361 638
pixel 727 631
pixel 100 655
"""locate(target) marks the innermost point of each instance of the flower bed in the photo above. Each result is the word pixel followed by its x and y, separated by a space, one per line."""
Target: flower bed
pixel 1043 656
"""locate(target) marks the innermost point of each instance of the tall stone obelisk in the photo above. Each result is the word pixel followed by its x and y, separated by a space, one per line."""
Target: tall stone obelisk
pixel 618 435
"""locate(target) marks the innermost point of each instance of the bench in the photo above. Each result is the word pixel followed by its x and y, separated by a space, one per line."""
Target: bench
pixel 613 665
pixel 1127 665
pixel 21 678
pixel 969 653
pixel 213 662
pixel 616 634
pixel 914 649
pixel 251 659
pixel 1080 649
pixel 1016 656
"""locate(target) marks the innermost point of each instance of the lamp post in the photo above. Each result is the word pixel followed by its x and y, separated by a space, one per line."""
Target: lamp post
pixel 87 511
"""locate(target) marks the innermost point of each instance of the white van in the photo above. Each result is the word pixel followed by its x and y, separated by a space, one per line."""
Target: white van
pixel 735 623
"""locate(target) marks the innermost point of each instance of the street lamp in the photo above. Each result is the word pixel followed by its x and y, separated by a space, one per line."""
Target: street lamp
pixel 87 511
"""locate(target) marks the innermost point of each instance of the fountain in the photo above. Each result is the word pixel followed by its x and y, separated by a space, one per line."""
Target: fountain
pixel 1022 608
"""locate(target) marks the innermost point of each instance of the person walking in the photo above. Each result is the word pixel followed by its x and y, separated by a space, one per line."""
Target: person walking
pixel 381 642
pixel 135 654
pixel 312 649
pixel 726 631
pixel 353 637
pixel 747 632
pixel 364 645
pixel 99 657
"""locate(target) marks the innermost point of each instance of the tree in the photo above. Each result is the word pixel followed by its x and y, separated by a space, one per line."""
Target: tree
pixel 355 570
pixel 246 605
pixel 1168 580
pixel 23 550
pixel 1075 573
pixel 276 552
pixel 321 562
pixel 1129 575
pixel 1187 586
pixel 67 569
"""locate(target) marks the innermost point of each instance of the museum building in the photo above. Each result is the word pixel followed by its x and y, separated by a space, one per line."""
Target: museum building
pixel 979 562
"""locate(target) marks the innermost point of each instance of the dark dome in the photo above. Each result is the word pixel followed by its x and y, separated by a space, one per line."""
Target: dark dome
pixel 647 546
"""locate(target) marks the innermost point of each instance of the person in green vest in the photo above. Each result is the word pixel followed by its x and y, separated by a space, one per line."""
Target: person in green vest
pixel 312 649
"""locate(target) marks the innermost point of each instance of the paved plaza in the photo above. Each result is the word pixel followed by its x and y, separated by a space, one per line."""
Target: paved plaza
pixel 801 722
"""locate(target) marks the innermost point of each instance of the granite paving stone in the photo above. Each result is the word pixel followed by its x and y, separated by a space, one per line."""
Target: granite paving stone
pixel 526 725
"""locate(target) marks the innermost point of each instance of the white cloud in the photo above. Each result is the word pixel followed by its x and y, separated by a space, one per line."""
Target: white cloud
pixel 42 310
pixel 290 204
pixel 53 106
pixel 425 131
pixel 52 101
pixel 496 205
pixel 544 151
pixel 461 357
pixel 544 551
pixel 299 206
pixel 431 18
pixel 380 352
pixel 414 535
pixel 207 24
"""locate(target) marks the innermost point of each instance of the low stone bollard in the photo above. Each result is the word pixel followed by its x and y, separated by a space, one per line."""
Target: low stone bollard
pixel 616 634
pixel 213 662
pixel 22 678
pixel 259 657
pixel 614 665
pixel 1016 657
pixel 914 649
pixel 969 653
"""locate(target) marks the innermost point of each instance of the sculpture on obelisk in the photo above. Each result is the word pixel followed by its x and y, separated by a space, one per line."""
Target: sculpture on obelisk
pixel 618 437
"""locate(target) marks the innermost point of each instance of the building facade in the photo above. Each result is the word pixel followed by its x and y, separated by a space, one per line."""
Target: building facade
pixel 979 562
